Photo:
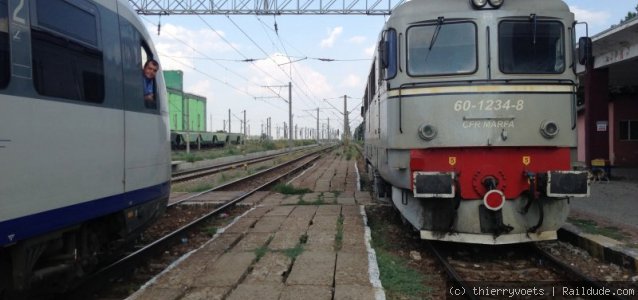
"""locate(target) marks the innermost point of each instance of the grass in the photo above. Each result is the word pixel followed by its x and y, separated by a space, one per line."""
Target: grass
pixel 211 231
pixel 288 189
pixel 399 280
pixel 248 147
pixel 294 252
pixel 339 235
pixel 260 252
pixel 316 202
pixel 592 227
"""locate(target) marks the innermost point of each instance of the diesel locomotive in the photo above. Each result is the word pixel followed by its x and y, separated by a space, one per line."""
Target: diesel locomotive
pixel 470 118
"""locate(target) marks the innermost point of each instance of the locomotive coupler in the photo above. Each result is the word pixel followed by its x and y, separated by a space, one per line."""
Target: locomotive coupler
pixel 531 177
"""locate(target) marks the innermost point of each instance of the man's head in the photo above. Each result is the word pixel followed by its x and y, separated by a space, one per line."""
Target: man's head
pixel 150 68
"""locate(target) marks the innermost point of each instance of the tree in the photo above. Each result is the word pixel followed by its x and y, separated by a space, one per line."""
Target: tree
pixel 630 15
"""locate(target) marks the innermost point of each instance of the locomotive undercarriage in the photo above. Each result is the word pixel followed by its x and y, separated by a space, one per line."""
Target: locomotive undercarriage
pixel 468 221
pixel 52 263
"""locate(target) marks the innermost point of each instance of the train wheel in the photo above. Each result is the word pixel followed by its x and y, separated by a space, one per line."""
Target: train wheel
pixel 5 274
pixel 380 187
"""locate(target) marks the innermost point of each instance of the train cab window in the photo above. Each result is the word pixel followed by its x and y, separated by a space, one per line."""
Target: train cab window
pixel 442 49
pixel 150 67
pixel 67 58
pixel 5 68
pixel 388 53
pixel 531 47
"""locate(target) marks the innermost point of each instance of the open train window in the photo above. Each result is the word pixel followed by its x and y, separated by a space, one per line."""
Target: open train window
pixel 150 86
pixel 5 68
pixel 531 47
pixel 67 59
pixel 442 49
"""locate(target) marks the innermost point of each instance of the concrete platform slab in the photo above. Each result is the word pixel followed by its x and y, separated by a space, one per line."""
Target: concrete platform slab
pixel 346 201
pixel 206 293
pixel 255 198
pixel 270 269
pixel 256 291
pixel 268 224
pixel 296 292
pixel 280 211
pixel 285 240
pixel 242 225
pixel 352 269
pixel 313 268
pixel 226 271
pixel 155 293
pixel 303 211
pixel 258 212
pixel 324 223
pixel 252 241
pixel 328 210
pixel 353 292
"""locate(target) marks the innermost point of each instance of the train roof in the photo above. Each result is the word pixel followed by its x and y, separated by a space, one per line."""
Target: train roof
pixel 438 7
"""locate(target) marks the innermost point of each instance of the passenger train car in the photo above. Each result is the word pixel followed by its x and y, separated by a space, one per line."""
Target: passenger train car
pixel 470 116
pixel 84 161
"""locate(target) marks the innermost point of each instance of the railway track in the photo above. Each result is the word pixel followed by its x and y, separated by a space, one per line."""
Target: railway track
pixel 249 185
pixel 526 269
pixel 187 175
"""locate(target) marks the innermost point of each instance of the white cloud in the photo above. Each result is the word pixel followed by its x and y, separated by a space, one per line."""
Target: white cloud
pixel 591 17
pixel 352 81
pixel 175 45
pixel 332 37
pixel 201 87
pixel 370 50
pixel 359 39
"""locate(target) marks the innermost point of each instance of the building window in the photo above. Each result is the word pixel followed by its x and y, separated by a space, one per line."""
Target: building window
pixel 67 60
pixel 5 69
pixel 628 131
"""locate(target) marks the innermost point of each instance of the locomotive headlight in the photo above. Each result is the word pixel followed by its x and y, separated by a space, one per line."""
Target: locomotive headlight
pixel 478 3
pixel 549 129
pixel 496 3
pixel 427 132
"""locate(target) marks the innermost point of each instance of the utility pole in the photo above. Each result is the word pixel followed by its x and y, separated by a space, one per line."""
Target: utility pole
pixel 317 125
pixel 328 130
pixel 229 120
pixel 290 116
pixel 245 135
pixel 346 134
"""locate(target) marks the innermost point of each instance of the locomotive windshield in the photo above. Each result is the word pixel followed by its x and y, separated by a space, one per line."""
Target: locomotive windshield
pixel 531 47
pixel 441 49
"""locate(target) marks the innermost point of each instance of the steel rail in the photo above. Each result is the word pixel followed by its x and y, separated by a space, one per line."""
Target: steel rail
pixel 239 180
pixel 573 273
pixel 133 260
pixel 205 171
pixel 451 272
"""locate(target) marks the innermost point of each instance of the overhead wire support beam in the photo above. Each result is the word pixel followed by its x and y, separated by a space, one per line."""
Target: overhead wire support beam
pixel 264 7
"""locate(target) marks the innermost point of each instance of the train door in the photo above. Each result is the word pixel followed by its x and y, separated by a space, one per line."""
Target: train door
pixel 146 138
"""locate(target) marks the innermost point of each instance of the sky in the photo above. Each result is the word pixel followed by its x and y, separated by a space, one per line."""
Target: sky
pixel 212 51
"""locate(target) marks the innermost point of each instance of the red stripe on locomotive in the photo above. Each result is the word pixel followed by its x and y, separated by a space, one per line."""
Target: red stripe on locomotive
pixel 508 166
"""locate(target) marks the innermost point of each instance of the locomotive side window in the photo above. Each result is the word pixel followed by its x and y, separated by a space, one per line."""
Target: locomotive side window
pixel 531 47
pixel 5 68
pixel 442 49
pixel 388 53
pixel 67 59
